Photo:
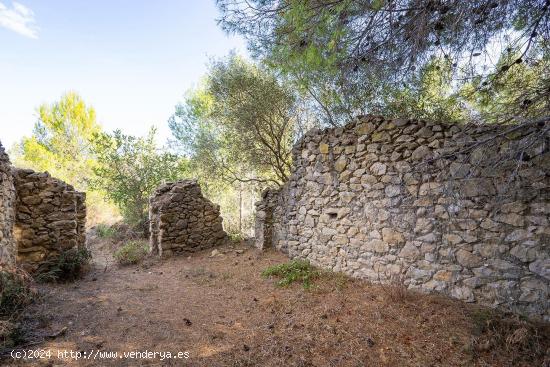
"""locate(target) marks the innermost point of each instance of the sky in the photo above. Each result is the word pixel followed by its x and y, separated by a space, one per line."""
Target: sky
pixel 132 61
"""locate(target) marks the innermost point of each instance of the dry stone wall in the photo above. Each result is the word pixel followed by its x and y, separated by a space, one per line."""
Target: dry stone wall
pixel 182 220
pixel 40 216
pixel 50 217
pixel 462 210
pixel 7 212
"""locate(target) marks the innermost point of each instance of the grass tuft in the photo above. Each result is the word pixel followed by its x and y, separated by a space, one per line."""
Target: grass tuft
pixel 132 252
pixel 105 230
pixel 15 291
pixel 522 339
pixel 293 271
pixel 68 266
pixel 236 236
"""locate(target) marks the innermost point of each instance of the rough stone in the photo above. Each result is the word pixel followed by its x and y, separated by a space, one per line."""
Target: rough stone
pixel 541 267
pixel 378 169
pixel 409 251
pixel 181 220
pixel 44 228
pixel 392 201
pixel 8 246
pixel 466 258
pixel 392 236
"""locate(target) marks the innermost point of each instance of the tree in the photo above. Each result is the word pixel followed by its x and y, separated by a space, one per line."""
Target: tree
pixel 522 93
pixel 430 96
pixel 237 128
pixel 129 170
pixel 240 125
pixel 61 141
pixel 348 52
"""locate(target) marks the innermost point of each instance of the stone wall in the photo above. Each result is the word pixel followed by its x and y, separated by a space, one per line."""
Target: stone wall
pixel 182 220
pixel 50 217
pixel 462 210
pixel 7 212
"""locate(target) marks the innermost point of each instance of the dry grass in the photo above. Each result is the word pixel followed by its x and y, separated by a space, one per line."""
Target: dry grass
pixel 225 313
pixel 16 292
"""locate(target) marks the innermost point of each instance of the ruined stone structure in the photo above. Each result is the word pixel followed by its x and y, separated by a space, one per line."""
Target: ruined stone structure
pixel 40 216
pixel 50 217
pixel 7 212
pixel 461 210
pixel 182 220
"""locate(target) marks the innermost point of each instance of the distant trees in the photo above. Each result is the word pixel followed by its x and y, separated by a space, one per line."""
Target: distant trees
pixel 62 144
pixel 130 168
pixel 113 167
pixel 61 141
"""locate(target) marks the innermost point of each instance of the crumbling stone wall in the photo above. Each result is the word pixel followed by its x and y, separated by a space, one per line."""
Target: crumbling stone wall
pixel 50 217
pixel 7 212
pixel 80 219
pixel 182 220
pixel 462 210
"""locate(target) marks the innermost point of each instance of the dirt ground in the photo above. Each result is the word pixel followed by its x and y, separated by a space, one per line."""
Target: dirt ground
pixel 222 312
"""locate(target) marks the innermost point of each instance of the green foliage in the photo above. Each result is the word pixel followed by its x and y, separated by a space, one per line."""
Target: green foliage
pixel 430 96
pixel 61 144
pixel 239 126
pixel 354 57
pixel 15 292
pixel 293 271
pixel 132 252
pixel 61 141
pixel 68 266
pixel 130 168
pixel 105 230
pixel 518 92
pixel 235 236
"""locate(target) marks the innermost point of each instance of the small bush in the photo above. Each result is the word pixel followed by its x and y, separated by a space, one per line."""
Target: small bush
pixel 105 231
pixel 15 291
pixel 132 252
pixel 235 236
pixel 293 271
pixel 68 266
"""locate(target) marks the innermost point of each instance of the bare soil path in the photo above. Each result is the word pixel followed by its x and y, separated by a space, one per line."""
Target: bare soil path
pixel 223 313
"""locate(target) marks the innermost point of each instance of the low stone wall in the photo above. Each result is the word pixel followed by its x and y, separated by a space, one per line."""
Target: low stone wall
pixel 462 210
pixel 50 217
pixel 7 212
pixel 182 220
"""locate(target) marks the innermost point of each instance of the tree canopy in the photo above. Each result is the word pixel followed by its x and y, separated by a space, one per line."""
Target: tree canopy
pixel 347 53
pixel 130 168
pixel 240 124
pixel 61 140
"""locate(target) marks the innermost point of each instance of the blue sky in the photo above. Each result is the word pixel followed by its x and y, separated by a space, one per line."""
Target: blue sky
pixel 131 60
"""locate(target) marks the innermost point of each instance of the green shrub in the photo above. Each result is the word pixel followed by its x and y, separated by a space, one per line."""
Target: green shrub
pixel 235 236
pixel 132 252
pixel 69 265
pixel 105 231
pixel 293 271
pixel 15 291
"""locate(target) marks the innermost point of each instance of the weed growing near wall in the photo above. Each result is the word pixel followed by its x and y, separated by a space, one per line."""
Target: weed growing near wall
pixel 293 271
pixel 132 252
pixel 69 265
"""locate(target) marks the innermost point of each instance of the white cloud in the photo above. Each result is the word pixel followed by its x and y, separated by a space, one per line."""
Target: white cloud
pixel 19 19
